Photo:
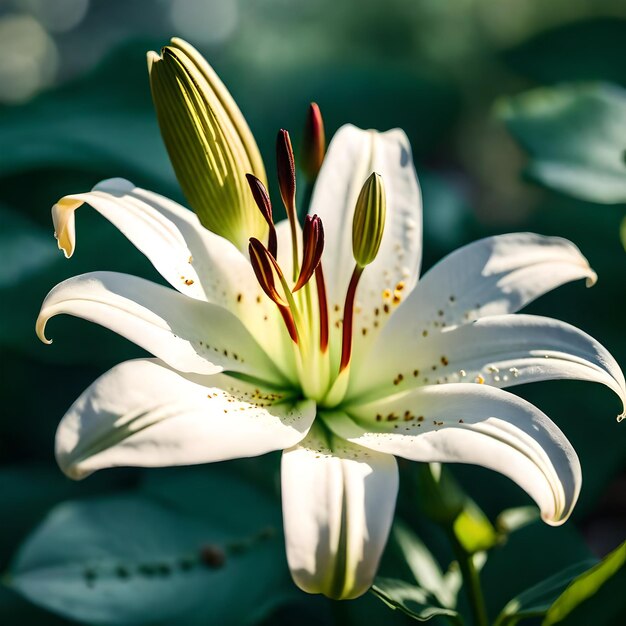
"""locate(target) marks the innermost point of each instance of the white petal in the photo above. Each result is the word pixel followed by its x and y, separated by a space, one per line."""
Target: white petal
pixel 501 350
pixel 467 423
pixel 492 276
pixel 156 225
pixel 190 335
pixel 352 156
pixel 141 413
pixel 192 259
pixel 338 505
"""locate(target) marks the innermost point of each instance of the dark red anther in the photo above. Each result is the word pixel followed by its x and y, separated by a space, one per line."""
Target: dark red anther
pixel 286 173
pixel 265 266
pixel 262 199
pixel 313 246
pixel 264 270
pixel 313 143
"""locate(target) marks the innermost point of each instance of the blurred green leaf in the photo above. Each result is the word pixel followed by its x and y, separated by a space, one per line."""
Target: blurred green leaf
pixel 473 529
pixel 16 610
pixel 622 232
pixel 425 569
pixel 127 560
pixel 412 600
pixel 594 596
pixel 536 601
pixel 517 517
pixel 444 501
pixel 576 138
pixel 591 49
pixel 29 491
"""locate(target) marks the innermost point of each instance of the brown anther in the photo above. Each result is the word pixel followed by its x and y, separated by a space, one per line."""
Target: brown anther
pixel 286 172
pixel 264 270
pixel 262 199
pixel 313 246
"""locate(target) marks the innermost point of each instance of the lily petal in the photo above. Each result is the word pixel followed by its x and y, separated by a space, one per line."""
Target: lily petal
pixel 189 335
pixel 501 350
pixel 477 424
pixel 352 156
pixel 492 276
pixel 338 506
pixel 192 259
pixel 158 227
pixel 141 413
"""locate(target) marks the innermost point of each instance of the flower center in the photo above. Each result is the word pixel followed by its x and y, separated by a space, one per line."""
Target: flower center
pixel 301 301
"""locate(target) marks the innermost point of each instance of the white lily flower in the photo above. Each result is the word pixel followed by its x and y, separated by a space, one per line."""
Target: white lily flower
pixel 343 373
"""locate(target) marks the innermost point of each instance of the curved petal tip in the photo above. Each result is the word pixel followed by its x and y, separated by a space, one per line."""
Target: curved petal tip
pixel 40 329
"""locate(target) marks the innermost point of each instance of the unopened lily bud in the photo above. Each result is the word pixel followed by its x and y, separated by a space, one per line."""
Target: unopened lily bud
pixel 313 143
pixel 286 167
pixel 209 143
pixel 368 224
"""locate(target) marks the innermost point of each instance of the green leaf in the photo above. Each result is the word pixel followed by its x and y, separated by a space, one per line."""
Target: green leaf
pixel 622 232
pixel 515 518
pixel 443 499
pixel 127 560
pixel 589 595
pixel 474 530
pixel 536 601
pixel 575 136
pixel 425 569
pixel 412 600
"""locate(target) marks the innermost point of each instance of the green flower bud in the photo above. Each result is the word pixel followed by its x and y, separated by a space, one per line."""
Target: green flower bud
pixel 368 224
pixel 209 143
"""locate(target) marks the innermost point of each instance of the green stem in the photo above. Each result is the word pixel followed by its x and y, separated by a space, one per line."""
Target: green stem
pixel 471 581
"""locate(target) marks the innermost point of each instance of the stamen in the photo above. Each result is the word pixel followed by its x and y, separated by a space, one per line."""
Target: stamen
pixel 262 199
pixel 313 246
pixel 287 182
pixel 348 317
pixel 264 270
pixel 323 306
pixel 265 266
